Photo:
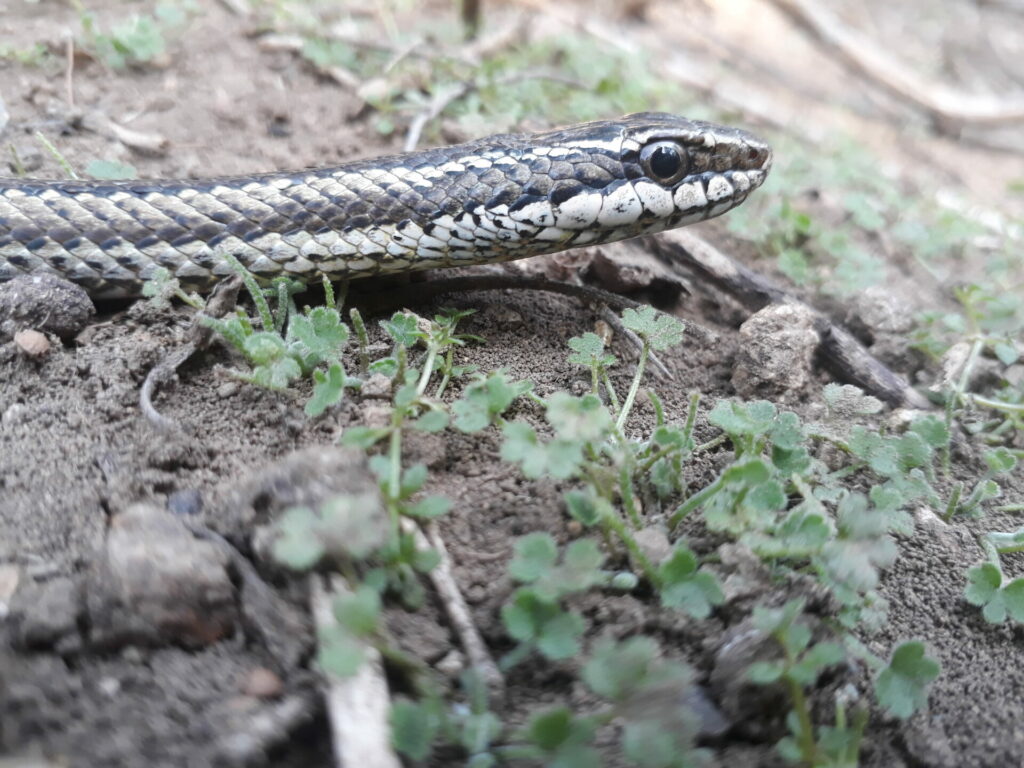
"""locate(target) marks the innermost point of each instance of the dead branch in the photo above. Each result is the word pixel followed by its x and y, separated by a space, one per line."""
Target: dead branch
pixel 945 106
pixel 455 606
pixel 357 706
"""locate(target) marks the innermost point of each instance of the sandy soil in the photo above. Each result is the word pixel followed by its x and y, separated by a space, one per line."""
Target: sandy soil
pixel 75 452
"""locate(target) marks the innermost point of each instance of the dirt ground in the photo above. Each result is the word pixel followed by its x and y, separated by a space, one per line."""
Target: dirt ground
pixel 82 686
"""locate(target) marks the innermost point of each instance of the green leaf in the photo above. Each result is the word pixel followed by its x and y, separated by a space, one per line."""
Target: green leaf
pixel 902 687
pixel 110 170
pixel 429 507
pixel 551 729
pixel 1006 352
pixel 686 588
pixel 363 437
pixel 736 419
pixel 589 350
pixel 560 638
pixel 412 480
pixel 328 389
pixel 531 619
pixel 414 727
pixel 932 430
pixel 431 421
pixel 358 612
pixel 1000 460
pixel 559 459
pixel 765 672
pixel 587 507
pixel 616 670
pixel 578 418
pixel 403 328
pixel 534 555
pixel 486 399
pixel 298 543
pixel 983 582
pixel 656 328
pixel 318 336
pixel 340 653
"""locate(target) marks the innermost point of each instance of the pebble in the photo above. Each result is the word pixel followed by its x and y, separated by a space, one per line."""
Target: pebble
pixel 779 343
pixel 31 343
pixel 44 302
pixel 156 584
pixel 262 683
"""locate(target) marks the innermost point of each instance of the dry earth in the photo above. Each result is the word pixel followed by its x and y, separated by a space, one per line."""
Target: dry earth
pixel 84 684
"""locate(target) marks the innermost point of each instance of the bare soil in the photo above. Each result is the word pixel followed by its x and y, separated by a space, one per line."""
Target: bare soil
pixel 76 452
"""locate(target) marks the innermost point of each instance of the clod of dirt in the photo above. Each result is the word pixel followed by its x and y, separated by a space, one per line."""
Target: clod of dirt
pixel 654 544
pixel 46 615
pixel 44 302
pixel 776 358
pixel 742 701
pixel 877 310
pixel 747 577
pixel 304 478
pixel 155 583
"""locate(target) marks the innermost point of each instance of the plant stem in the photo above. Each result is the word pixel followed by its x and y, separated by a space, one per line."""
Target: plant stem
pixel 627 406
pixel 693 502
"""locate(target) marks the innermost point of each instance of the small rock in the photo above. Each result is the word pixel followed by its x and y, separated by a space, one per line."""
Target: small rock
pixel 45 302
pixel 262 683
pixel 711 722
pixel 747 575
pixel 31 343
pixel 876 310
pixel 155 583
pixel 187 503
pixel 775 358
pixel 741 700
pixel 926 743
pixel 304 478
pixel 452 664
pixel 376 385
pixel 654 544
pixel 46 613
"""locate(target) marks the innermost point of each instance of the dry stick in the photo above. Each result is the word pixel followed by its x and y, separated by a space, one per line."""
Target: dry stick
pixel 221 301
pixel 846 356
pixel 455 606
pixel 944 105
pixel 357 706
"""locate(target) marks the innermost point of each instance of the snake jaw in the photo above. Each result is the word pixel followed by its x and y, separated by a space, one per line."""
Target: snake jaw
pixel 500 198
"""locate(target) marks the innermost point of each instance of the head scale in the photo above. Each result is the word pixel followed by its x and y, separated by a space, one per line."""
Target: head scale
pixel 610 180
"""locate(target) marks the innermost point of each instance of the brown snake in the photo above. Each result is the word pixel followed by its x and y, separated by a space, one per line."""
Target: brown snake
pixel 500 198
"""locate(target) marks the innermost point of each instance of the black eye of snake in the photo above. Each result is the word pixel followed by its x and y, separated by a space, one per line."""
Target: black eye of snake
pixel 664 161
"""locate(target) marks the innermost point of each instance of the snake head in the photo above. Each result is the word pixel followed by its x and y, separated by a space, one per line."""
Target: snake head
pixel 610 180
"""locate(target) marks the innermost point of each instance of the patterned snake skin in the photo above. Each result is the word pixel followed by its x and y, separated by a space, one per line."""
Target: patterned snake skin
pixel 499 198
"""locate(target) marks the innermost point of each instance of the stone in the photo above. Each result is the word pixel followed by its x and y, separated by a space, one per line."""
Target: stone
pixel 155 584
pixel 775 357
pixel 44 302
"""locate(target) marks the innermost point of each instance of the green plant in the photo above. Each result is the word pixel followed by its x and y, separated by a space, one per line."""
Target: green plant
pixel 136 41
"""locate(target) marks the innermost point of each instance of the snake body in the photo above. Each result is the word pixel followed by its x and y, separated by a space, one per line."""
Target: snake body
pixel 500 198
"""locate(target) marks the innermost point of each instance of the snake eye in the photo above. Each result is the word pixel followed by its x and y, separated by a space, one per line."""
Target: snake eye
pixel 664 161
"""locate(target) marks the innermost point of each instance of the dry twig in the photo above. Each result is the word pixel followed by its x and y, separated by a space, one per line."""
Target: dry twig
pixel 946 106
pixel 357 706
pixel 455 606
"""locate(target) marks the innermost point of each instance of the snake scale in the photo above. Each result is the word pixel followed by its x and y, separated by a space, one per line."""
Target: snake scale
pixel 500 198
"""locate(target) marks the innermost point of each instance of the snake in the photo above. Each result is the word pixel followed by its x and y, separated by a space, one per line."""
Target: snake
pixel 504 197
